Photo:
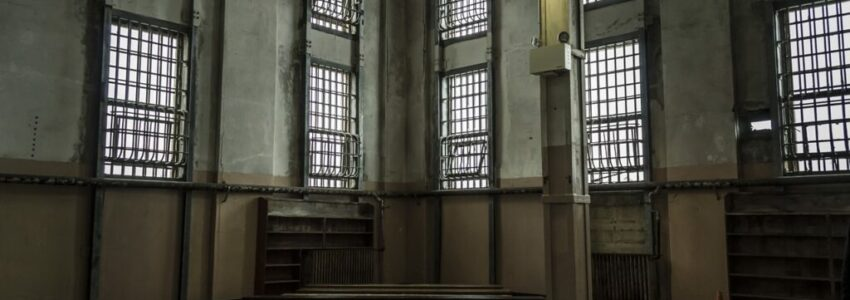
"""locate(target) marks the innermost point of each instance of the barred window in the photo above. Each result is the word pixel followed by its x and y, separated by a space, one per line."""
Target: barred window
pixel 145 130
pixel 615 113
pixel 463 18
pixel 464 130
pixel 334 145
pixel 814 87
pixel 337 15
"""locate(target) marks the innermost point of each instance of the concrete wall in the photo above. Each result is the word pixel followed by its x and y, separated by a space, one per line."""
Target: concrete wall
pixel 44 95
pixel 249 130
pixel 262 119
pixel 517 95
pixel 409 241
pixel 48 87
pixel 693 128
pixel 520 242
pixel 698 102
pixel 755 84
pixel 465 256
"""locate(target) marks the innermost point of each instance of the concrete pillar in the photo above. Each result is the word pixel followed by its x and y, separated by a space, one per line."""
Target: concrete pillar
pixel 565 196
pixel 700 137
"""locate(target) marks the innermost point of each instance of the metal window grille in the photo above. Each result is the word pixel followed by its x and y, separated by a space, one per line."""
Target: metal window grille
pixel 813 46
pixel 337 15
pixel 145 130
pixel 463 18
pixel 334 144
pixel 340 266
pixel 615 113
pixel 624 276
pixel 464 130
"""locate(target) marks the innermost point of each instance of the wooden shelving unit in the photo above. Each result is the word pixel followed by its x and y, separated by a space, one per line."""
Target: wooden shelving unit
pixel 786 246
pixel 286 241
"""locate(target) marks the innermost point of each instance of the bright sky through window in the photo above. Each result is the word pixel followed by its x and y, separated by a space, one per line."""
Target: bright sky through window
pixel 814 86
pixel 464 131
pixel 463 18
pixel 334 147
pixel 337 15
pixel 615 113
pixel 145 122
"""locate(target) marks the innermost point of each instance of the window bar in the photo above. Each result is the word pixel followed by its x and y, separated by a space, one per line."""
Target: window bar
pixel 616 113
pixel 460 19
pixel 145 111
pixel 465 130
pixel 336 16
pixel 493 173
pixel 333 145
pixel 813 75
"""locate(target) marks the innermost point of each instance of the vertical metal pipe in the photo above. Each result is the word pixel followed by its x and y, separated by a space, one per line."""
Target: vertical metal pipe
pixel 491 136
pixel 436 131
pixel 185 245
pixel 186 233
pixel 438 240
pixel 494 239
pixel 98 201
pixel 305 149
pixel 384 92
pixel 645 106
pixel 491 91
pixel 778 117
pixel 96 240
pixel 358 77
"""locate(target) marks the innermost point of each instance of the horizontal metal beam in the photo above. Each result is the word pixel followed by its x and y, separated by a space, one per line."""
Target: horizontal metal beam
pixel 724 183
pixel 260 189
pixel 175 185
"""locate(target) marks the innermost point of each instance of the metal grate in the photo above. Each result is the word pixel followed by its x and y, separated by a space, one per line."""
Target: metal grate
pixel 145 132
pixel 339 266
pixel 615 113
pixel 463 18
pixel 464 130
pixel 334 146
pixel 814 87
pixel 337 15
pixel 623 277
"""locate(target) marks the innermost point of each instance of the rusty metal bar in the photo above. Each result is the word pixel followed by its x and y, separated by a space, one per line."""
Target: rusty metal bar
pixel 259 189
pixel 725 183
pixel 188 186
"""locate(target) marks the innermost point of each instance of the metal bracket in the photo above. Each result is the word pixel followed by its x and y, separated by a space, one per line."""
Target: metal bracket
pixel 439 62
pixel 578 53
pixel 488 54
pixel 196 18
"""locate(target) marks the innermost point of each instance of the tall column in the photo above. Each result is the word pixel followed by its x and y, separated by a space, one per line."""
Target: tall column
pixel 565 197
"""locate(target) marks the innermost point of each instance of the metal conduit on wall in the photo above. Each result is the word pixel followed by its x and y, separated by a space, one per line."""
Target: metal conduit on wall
pixel 240 188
